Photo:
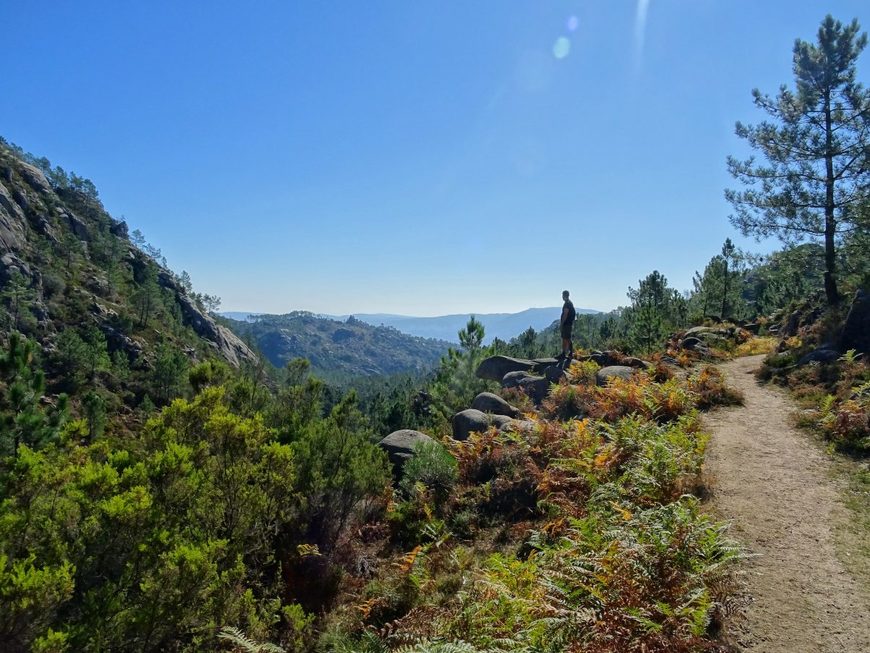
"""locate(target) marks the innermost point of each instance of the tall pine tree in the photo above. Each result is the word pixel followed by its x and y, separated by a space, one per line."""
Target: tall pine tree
pixel 816 147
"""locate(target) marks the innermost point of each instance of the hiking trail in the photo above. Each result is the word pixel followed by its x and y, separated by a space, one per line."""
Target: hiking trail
pixel 775 485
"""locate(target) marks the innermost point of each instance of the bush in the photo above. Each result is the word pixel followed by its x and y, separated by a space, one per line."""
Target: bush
pixel 434 467
pixel 708 386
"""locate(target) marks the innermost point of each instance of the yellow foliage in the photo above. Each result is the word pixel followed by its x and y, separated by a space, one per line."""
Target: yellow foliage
pixel 756 345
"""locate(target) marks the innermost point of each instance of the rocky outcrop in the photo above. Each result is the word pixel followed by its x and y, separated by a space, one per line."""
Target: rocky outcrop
pixel 227 344
pixel 400 446
pixel 76 224
pixel 487 402
pixel 856 330
pixel 10 264
pixel 34 176
pixel 494 368
pixel 11 222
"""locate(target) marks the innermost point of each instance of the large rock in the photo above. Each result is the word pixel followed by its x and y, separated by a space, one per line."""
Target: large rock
pixel 513 379
pixel 856 330
pixel 604 375
pixel 536 387
pixel 227 343
pixel 501 421
pixel 554 373
pixel 495 367
pixel 34 176
pixel 696 345
pixel 487 402
pixel 400 446
pixel 11 222
pixel 469 421
pixel 10 264
pixel 821 355
pixel 76 224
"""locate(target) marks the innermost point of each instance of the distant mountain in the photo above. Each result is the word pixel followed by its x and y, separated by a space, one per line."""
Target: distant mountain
pixel 239 316
pixel 445 327
pixel 338 349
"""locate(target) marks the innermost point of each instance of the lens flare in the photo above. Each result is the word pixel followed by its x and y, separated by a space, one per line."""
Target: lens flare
pixel 561 48
pixel 573 23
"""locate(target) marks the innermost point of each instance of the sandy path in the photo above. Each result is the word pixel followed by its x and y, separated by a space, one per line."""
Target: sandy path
pixel 775 486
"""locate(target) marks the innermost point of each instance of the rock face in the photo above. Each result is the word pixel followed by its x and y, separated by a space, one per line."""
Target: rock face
pixel 225 341
pixel 856 330
pixel 11 222
pixel 487 402
pixel 400 446
pixel 604 375
pixel 33 176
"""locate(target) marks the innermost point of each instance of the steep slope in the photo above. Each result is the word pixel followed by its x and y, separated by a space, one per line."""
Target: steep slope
pixel 338 350
pixel 67 265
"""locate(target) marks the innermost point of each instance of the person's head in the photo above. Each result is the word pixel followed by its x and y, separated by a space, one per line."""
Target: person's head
pixel 565 295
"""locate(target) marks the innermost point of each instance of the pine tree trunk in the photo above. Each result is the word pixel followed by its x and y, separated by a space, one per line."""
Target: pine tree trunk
pixel 831 292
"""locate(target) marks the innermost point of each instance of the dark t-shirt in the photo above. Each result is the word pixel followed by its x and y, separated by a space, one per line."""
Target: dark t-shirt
pixel 568 320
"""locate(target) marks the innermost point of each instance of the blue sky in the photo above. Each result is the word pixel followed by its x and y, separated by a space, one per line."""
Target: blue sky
pixel 422 157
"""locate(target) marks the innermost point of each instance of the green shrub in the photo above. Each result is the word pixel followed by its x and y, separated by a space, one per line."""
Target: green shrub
pixel 434 467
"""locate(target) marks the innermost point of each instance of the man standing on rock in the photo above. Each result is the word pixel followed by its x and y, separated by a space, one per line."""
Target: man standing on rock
pixel 566 325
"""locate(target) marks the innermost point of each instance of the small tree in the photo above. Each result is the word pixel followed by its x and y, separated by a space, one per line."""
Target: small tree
pixel 456 383
pixel 23 418
pixel 816 147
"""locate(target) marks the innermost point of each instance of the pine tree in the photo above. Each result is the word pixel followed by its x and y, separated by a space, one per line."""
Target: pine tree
pixel 816 147
pixel 23 418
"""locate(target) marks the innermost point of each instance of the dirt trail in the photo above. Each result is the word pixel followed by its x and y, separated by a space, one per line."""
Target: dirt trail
pixel 774 484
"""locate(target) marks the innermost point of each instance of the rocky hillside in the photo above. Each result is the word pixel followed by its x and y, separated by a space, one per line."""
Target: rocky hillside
pixel 71 279
pixel 339 349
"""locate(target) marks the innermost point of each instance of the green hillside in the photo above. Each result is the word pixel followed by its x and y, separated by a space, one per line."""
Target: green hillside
pixel 338 350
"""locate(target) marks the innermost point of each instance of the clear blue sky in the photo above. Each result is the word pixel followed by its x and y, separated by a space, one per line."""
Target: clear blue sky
pixel 421 157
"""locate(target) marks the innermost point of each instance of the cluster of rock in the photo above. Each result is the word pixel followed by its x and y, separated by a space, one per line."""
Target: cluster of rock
pixel 487 410
pixel 533 376
pixel 703 339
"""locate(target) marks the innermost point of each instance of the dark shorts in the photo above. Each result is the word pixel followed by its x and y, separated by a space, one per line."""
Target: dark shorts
pixel 565 329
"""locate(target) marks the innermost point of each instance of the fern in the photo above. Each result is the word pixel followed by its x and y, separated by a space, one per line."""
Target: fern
pixel 245 644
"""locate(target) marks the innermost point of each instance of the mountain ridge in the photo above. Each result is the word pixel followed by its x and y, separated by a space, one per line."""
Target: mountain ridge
pixel 504 326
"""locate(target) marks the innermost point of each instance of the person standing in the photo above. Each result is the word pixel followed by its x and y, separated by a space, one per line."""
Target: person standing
pixel 566 325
